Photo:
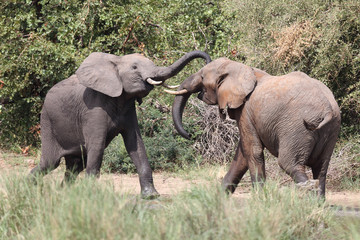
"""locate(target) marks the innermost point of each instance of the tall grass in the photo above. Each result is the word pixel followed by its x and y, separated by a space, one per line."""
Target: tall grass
pixel 90 210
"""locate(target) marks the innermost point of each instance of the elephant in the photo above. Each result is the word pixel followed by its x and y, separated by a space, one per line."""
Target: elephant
pixel 82 114
pixel 294 116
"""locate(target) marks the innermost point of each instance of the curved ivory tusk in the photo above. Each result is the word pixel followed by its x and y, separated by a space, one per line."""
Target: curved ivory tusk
pixel 169 86
pixel 152 82
pixel 180 92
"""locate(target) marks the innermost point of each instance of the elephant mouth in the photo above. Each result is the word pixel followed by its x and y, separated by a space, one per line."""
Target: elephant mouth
pixel 150 83
pixel 148 86
pixel 208 101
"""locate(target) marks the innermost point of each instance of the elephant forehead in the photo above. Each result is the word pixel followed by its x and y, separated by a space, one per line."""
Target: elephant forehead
pixel 137 58
pixel 210 81
pixel 209 78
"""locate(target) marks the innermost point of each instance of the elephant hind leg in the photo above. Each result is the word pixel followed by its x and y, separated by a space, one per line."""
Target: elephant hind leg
pixel 45 166
pixel 74 165
pixel 320 169
pixel 50 157
pixel 293 165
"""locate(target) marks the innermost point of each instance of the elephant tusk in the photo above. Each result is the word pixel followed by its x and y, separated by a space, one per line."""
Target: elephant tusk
pixel 170 87
pixel 152 82
pixel 180 92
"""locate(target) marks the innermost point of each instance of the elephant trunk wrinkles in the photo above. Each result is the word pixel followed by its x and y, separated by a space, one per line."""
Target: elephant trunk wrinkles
pixel 177 112
pixel 168 72
pixel 192 85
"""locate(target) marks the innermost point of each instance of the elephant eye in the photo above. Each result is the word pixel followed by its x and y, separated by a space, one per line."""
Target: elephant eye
pixel 134 67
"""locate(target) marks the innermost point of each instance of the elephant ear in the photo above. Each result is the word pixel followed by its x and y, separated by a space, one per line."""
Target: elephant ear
pixel 236 81
pixel 99 72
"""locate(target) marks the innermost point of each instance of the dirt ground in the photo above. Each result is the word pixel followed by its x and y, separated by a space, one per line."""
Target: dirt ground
pixel 166 184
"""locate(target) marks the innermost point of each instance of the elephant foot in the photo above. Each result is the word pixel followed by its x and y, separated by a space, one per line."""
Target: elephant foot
pixel 149 193
pixel 34 176
pixel 228 187
pixel 310 185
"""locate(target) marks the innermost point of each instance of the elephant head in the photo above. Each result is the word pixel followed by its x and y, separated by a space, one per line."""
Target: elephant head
pixel 131 74
pixel 223 82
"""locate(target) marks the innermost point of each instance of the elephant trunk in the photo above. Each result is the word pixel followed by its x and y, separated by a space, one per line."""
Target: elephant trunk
pixel 177 112
pixel 168 72
pixel 191 85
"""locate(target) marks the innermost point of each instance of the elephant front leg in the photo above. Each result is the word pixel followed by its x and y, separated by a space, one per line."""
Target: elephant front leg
pixel 253 152
pixel 136 149
pixel 238 168
pixel 95 134
pixel 95 155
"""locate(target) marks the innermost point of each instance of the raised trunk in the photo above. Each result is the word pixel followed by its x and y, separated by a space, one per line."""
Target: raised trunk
pixel 167 72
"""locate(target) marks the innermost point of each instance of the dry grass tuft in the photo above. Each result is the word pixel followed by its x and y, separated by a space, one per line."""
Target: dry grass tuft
pixel 292 42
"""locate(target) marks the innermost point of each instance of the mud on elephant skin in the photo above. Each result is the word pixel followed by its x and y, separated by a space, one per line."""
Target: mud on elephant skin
pixel 294 116
pixel 82 114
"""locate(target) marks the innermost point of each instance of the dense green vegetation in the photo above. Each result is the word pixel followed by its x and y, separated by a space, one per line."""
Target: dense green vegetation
pixel 43 42
pixel 93 210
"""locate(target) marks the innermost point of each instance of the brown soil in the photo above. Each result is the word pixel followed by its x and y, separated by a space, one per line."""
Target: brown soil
pixel 167 185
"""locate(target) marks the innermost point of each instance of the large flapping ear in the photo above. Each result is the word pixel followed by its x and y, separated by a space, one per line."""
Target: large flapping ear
pixel 235 83
pixel 99 72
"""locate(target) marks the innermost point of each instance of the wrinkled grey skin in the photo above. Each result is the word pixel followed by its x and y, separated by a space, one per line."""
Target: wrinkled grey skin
pixel 82 114
pixel 294 116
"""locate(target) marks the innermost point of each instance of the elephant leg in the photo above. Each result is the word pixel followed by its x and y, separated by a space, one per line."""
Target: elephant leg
pixel 293 165
pixel 317 175
pixel 257 165
pixel 50 157
pixel 95 132
pixel 45 166
pixel 253 151
pixel 74 165
pixel 238 168
pixel 136 149
pixel 320 170
pixel 95 155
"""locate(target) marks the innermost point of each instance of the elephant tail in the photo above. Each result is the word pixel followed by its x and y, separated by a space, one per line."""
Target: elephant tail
pixel 311 126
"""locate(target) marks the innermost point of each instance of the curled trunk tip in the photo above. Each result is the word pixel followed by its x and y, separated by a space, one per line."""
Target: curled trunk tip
pixel 177 112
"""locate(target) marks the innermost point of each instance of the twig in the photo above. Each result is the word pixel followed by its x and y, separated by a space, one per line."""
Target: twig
pixel 193 35
pixel 206 41
pixel 154 25
pixel 130 31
